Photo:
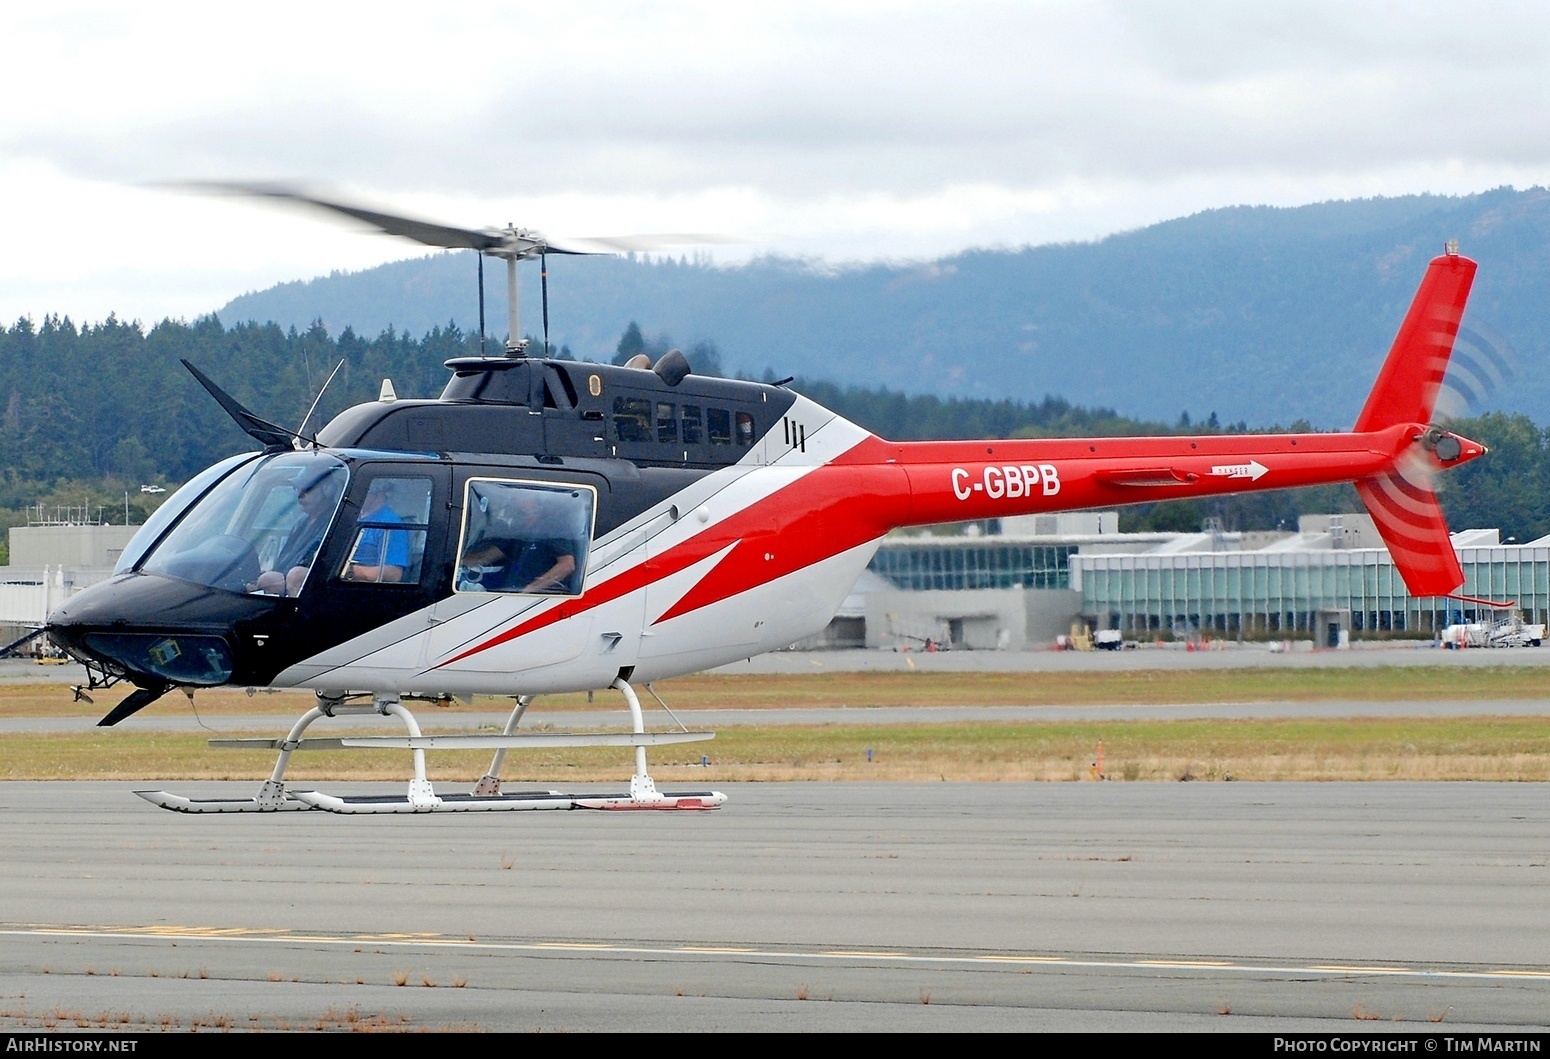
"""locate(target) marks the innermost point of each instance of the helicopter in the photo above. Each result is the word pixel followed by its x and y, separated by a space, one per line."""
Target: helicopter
pixel 548 526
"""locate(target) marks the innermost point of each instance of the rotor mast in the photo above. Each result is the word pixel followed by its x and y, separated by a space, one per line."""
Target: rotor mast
pixel 514 343
pixel 512 244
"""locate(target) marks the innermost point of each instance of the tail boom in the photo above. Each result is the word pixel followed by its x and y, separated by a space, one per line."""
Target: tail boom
pixel 961 481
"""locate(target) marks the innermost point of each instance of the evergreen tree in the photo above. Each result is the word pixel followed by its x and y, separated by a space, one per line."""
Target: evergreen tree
pixel 631 343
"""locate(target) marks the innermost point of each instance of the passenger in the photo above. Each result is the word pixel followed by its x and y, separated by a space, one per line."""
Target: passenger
pixel 530 553
pixel 316 500
pixel 380 554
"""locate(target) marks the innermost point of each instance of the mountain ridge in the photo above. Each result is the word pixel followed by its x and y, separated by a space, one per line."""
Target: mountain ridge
pixel 1258 313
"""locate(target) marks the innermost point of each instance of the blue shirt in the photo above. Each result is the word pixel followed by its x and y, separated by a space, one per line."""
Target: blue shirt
pixel 375 540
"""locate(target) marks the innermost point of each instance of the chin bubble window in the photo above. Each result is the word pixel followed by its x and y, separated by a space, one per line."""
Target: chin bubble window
pixel 525 537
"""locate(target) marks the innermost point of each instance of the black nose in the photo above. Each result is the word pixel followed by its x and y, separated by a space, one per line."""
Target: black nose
pixel 154 629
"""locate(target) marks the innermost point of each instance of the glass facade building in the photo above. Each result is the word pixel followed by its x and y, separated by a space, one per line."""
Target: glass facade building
pixel 1258 593
pixel 961 563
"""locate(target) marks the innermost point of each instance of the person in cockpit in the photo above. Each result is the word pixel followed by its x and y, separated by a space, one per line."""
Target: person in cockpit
pixel 316 499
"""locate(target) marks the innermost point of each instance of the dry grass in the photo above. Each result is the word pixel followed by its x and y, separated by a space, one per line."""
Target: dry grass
pixel 723 691
pixel 1429 748
pixel 1484 748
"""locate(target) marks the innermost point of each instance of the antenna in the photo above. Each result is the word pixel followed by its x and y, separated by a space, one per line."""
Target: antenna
pixel 302 429
pixel 480 256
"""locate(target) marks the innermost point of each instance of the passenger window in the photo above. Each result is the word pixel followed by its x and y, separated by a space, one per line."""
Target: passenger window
pixel 389 544
pixel 718 426
pixel 632 419
pixel 529 537
pixel 667 423
pixel 744 429
pixel 694 429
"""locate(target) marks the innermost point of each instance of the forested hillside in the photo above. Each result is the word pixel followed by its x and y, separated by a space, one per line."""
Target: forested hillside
pixel 92 414
pixel 1253 313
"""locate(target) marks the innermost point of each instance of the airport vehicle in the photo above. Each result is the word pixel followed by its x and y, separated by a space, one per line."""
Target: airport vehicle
pixel 548 526
pixel 1504 630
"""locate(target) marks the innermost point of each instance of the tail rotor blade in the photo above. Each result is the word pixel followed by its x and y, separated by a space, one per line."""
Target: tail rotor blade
pixel 1484 364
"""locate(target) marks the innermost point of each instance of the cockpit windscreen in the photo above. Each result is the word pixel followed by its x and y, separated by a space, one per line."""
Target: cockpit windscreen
pixel 258 531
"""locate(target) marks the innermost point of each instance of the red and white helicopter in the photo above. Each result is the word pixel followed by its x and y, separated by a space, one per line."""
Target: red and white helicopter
pixel 549 526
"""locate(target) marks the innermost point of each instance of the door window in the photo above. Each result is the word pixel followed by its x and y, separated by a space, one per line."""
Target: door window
pixel 389 544
pixel 528 537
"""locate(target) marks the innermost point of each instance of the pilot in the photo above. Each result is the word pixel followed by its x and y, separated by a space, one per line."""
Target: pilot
pixel 316 498
pixel 380 554
pixel 534 558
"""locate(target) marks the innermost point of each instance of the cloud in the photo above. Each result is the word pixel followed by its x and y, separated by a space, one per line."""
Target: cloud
pixel 852 129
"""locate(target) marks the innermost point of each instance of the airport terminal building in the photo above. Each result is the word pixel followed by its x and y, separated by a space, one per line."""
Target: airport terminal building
pixel 1029 582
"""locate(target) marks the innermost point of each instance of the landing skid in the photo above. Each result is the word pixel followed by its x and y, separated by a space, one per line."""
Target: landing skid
pixel 179 804
pixel 421 797
pixel 516 802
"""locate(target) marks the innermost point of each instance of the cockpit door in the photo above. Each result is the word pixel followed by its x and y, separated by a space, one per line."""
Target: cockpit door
pixel 382 566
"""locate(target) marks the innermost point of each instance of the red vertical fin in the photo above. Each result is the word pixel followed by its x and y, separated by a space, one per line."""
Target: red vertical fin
pixel 1407 385
pixel 1405 510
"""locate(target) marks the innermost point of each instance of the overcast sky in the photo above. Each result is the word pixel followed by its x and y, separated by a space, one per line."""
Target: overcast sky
pixel 838 130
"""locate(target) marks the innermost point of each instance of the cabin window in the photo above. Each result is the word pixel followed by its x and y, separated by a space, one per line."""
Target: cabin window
pixel 260 529
pixel 667 422
pixel 718 426
pixel 632 419
pixel 389 544
pixel 744 429
pixel 525 537
pixel 694 429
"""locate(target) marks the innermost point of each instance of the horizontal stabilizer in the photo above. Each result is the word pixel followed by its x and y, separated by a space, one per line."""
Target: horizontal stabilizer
pixel 1411 524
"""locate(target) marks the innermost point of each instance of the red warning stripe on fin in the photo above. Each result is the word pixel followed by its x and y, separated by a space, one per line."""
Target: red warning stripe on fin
pixel 1411 524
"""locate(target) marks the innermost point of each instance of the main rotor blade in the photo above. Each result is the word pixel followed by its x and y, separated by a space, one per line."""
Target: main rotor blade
pixel 624 244
pixel 427 233
pixel 133 703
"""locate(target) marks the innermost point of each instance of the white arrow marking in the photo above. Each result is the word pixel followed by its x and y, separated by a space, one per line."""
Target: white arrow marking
pixel 1253 470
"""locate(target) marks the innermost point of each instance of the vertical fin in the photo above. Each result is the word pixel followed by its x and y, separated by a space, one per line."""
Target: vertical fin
pixel 1406 390
pixel 1404 507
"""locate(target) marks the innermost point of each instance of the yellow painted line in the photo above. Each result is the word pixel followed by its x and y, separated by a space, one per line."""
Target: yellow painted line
pixel 1019 959
pixel 567 945
pixel 280 936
